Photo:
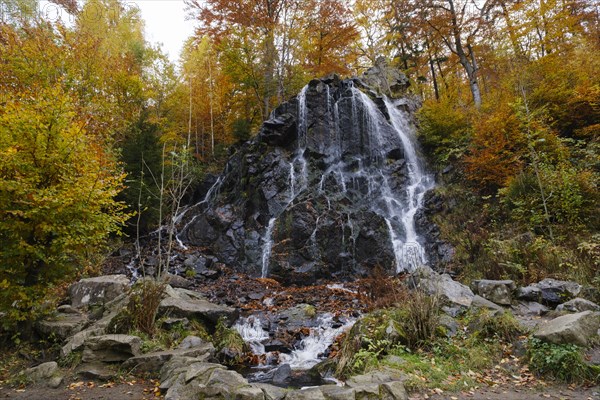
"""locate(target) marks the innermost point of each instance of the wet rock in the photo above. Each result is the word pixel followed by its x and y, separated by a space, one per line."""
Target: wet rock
pixel 280 130
pixel 282 374
pixel 99 290
pixel 578 305
pixel 576 329
pixel 555 292
pixel 499 292
pixel 319 169
pixel 111 348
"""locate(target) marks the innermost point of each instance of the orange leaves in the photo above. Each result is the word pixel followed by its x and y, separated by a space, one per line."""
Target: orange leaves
pixel 496 149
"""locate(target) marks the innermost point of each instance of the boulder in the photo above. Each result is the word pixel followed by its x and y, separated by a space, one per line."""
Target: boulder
pixel 271 392
pixel 98 371
pixel 555 292
pixel 578 305
pixel 576 328
pixel 190 342
pixel 306 394
pixel 480 302
pixel 529 293
pixel 393 391
pixel 499 292
pixel 61 325
pixel 183 303
pixel 111 348
pixel 334 392
pixel 177 281
pixel 47 373
pixel 97 291
pixel 450 291
pixel 154 361
pixel 530 308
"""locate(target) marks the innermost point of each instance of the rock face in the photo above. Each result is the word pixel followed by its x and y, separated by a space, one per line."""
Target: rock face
pixel 324 190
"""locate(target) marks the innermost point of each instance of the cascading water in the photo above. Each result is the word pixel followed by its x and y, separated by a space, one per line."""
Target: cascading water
pixel 309 351
pixel 366 172
pixel 267 246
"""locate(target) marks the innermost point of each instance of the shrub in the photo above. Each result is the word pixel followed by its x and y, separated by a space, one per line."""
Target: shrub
pixel 57 207
pixel 560 361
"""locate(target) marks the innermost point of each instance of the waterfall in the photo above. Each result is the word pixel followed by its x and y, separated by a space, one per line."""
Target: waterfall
pixel 309 351
pixel 267 245
pixel 251 330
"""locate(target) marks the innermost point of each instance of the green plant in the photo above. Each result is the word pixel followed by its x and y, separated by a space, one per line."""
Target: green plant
pixel 501 326
pixel 563 362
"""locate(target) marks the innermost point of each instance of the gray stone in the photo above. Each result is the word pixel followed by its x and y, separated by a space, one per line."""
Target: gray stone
pixel 190 342
pixel 480 302
pixel 529 293
pixel 99 290
pixel 41 372
pixel 306 394
pixel 196 308
pixel 576 329
pixel 55 382
pixel 249 393
pixel 77 341
pixel 333 392
pixel 111 348
pixel 555 292
pixel 531 308
pixel 450 325
pixel 393 391
pixel 444 286
pixel 388 375
pixel 367 391
pixel 499 292
pixel 201 370
pixel 282 374
pixel 153 362
pixel 62 325
pixel 177 281
pixel 96 371
pixel 271 392
pixel 578 305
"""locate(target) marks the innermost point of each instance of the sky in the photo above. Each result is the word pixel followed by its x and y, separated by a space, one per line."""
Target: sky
pixel 165 23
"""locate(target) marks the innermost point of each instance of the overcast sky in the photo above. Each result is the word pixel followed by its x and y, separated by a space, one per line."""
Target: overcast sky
pixel 165 23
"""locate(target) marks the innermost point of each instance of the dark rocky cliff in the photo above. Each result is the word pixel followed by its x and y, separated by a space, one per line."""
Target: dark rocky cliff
pixel 326 190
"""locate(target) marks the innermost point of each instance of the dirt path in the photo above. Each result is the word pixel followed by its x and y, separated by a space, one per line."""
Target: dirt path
pixel 136 390
pixel 505 392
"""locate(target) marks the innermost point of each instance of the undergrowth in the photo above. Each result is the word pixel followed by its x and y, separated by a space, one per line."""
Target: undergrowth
pixel 563 362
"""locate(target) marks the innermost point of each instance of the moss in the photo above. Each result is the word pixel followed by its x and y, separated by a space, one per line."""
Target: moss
pixel 228 341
